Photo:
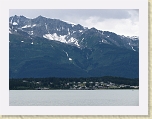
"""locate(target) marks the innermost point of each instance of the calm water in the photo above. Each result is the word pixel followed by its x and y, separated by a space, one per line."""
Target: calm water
pixel 74 97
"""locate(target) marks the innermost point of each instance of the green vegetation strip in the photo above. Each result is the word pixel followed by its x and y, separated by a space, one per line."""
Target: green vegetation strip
pixel 91 83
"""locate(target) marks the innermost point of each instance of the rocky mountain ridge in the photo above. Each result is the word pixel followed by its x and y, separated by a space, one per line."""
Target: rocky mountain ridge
pixel 55 29
pixel 44 47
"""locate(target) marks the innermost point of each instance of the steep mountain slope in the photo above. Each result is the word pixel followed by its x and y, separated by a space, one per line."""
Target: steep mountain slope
pixel 44 47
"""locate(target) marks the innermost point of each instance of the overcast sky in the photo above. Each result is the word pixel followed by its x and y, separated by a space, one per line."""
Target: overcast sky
pixel 121 21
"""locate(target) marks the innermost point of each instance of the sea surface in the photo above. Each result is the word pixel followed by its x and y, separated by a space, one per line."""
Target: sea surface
pixel 74 97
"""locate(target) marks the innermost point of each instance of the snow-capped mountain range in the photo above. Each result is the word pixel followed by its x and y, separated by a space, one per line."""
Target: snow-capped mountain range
pixel 55 29
pixel 45 47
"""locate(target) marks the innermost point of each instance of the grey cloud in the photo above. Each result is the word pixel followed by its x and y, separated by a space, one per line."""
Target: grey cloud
pixel 76 13
pixel 82 16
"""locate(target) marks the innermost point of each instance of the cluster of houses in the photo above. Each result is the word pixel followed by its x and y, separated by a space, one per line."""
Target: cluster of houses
pixel 82 86
pixel 100 85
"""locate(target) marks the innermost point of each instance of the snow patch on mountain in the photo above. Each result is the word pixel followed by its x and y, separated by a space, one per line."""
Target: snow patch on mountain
pixel 18 21
pixel 70 59
pixel 33 25
pixel 14 23
pixel 73 41
pixel 30 32
pixel 66 53
pixel 105 41
pixel 11 20
pixel 62 38
pixel 68 31
pixel 130 37
pixel 54 36
pixel 82 40
pixel 26 26
pixel 132 47
pixel 133 37
pixel 47 28
pixel 77 44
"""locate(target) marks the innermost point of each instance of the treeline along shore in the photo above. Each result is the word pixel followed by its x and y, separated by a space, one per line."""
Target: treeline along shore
pixel 89 83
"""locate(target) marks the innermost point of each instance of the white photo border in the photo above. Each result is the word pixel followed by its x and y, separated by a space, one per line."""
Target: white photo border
pixel 142 109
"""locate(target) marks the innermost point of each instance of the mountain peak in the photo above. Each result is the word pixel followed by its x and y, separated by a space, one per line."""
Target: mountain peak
pixel 40 16
pixel 45 47
pixel 61 31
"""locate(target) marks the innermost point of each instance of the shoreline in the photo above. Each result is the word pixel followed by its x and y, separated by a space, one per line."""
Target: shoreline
pixel 78 90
